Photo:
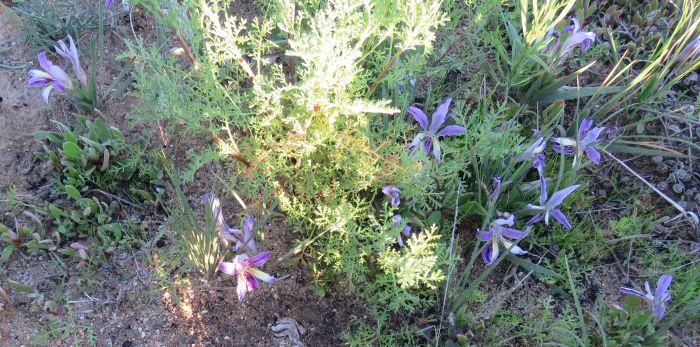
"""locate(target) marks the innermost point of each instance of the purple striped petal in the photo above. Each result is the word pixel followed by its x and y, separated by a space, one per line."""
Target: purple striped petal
pixel 561 218
pixel 439 116
pixel 259 259
pixel 452 130
pixel 420 116
pixel 251 281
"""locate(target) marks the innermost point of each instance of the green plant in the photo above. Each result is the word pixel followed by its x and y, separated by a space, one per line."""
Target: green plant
pixel 96 164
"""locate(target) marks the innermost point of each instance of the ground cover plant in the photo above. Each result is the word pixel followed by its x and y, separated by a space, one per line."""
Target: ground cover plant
pixel 356 172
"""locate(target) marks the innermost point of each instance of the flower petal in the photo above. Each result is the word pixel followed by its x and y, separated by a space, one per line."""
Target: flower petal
pixel 561 218
pixel 535 219
pixel 263 276
pixel 439 116
pixel 484 235
pixel 45 93
pixel 592 136
pixel 586 125
pixel 514 249
pixel 251 280
pixel 259 259
pixel 505 221
pixel 631 291
pixel 593 155
pixel 420 116
pixel 452 130
pixel 406 230
pixel 228 268
pixel 513 233
pixel 558 197
pixel 437 152
pixel 543 188
pixel 44 62
pixel 241 288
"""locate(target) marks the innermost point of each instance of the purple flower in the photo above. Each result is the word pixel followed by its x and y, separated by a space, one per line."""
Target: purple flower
pixel 53 77
pixel 70 53
pixel 406 231
pixel 248 276
pixel 535 154
pixel 587 139
pixel 247 236
pixel 499 235
pixel 548 207
pixel 108 3
pixel 657 300
pixel 226 233
pixel 575 36
pixel 392 193
pixel 428 138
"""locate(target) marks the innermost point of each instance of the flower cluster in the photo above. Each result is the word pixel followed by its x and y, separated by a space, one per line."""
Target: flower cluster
pixel 393 194
pixel 499 232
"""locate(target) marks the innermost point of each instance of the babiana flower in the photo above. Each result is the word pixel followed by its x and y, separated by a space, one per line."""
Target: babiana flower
pixel 575 36
pixel 535 154
pixel 550 206
pixel 585 143
pixel 428 139
pixel 52 77
pixel 246 269
pixel 70 52
pixel 392 193
pixel 406 231
pixel 499 234
pixel 226 233
pixel 658 299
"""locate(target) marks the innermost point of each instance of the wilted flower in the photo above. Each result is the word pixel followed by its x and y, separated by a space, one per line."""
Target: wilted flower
pixel 535 154
pixel 587 139
pixel 498 235
pixel 428 138
pixel 70 53
pixel 576 36
pixel 246 270
pixel 53 77
pixel 226 233
pixel 406 231
pixel 247 235
pixel 690 52
pixel 549 206
pixel 392 193
pixel 657 300
pixel 82 249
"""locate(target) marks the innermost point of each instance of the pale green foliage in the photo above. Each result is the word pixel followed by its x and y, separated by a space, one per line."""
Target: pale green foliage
pixel 417 264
